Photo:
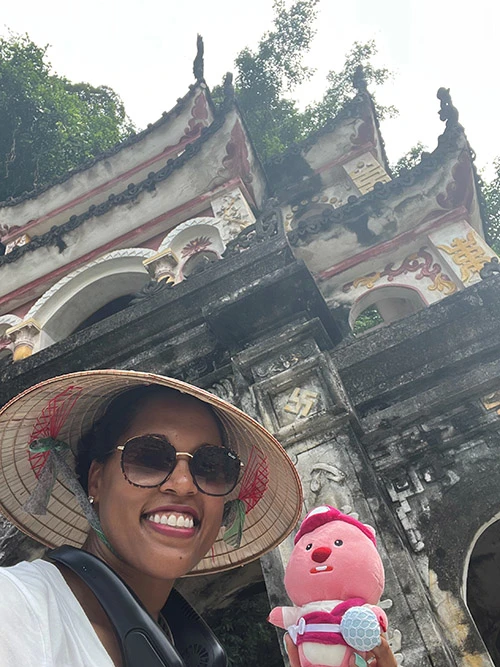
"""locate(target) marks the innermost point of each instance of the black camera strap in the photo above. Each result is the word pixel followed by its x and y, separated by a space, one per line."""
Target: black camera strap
pixel 143 642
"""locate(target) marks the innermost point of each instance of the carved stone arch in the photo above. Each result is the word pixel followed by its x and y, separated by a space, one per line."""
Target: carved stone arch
pixel 82 292
pixel 392 302
pixel 6 345
pixel 7 321
pixel 194 242
pixel 481 584
pixel 205 220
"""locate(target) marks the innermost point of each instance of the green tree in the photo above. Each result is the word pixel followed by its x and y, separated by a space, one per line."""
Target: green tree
pixel 48 124
pixel 368 319
pixel 341 86
pixel 409 160
pixel 267 76
pixel 245 634
pixel 491 193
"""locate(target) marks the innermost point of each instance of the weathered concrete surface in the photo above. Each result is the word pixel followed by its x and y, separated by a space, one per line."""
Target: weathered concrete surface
pixel 390 427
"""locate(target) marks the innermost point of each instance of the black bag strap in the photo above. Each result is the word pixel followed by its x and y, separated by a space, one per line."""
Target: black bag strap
pixel 142 641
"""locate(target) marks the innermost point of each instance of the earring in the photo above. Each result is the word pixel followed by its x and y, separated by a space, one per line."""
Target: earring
pixel 91 500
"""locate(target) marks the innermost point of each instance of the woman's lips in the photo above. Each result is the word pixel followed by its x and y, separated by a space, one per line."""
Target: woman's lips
pixel 174 521
pixel 170 531
pixel 176 510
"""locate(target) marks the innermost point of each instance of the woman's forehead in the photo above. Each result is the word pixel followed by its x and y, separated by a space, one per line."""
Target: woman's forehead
pixel 176 411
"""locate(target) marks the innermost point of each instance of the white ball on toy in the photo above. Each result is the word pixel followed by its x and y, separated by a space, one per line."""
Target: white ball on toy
pixel 360 628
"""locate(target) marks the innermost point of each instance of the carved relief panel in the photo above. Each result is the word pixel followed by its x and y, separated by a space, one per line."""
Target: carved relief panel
pixel 294 397
pixel 233 212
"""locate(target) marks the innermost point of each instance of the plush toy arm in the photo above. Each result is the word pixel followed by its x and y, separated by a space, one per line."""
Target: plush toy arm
pixel 284 616
pixel 276 617
pixel 382 618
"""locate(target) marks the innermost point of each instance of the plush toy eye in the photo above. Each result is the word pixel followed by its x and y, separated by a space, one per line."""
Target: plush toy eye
pixel 309 546
pixel 338 543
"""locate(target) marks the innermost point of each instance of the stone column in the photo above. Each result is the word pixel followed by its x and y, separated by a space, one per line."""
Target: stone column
pixel 162 266
pixel 298 395
pixel 24 336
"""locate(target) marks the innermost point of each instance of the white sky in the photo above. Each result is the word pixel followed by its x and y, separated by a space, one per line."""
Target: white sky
pixel 145 52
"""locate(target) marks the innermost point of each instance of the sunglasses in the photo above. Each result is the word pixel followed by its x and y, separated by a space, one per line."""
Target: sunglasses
pixel 148 461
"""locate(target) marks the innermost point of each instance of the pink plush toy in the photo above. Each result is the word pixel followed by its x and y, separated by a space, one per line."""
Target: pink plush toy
pixel 335 578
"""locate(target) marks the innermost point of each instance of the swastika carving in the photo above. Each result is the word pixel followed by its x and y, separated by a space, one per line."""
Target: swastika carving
pixel 301 402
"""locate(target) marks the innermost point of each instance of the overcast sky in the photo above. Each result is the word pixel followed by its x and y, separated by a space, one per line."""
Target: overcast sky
pixel 145 52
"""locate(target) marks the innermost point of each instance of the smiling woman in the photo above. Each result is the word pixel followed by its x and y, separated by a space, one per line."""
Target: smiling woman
pixel 156 478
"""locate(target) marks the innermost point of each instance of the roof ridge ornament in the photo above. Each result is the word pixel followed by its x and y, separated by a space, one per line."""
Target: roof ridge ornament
pixel 198 64
pixel 228 89
pixel 447 113
pixel 359 79
pixel 490 269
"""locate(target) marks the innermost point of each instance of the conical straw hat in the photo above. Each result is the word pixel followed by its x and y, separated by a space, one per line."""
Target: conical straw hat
pixel 74 402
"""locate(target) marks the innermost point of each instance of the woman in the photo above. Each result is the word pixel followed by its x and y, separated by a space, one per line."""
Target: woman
pixel 172 480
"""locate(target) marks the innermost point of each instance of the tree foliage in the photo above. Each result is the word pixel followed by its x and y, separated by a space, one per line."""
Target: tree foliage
pixel 341 86
pixel 368 319
pixel 491 193
pixel 245 634
pixel 267 76
pixel 409 159
pixel 49 125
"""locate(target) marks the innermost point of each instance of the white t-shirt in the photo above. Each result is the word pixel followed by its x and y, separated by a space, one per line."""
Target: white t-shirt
pixel 42 623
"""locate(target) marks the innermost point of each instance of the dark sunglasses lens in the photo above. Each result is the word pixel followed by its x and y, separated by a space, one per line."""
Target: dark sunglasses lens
pixel 147 460
pixel 215 469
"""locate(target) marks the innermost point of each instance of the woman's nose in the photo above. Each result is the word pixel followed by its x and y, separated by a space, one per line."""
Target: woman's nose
pixel 320 554
pixel 180 480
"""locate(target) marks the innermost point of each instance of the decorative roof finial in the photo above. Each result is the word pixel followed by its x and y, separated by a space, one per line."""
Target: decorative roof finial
pixel 228 89
pixel 447 112
pixel 359 79
pixel 198 65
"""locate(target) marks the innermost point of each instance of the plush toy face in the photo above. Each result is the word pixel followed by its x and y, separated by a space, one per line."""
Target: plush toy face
pixel 336 561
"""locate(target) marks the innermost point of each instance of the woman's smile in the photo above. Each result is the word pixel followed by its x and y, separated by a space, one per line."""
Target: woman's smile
pixel 173 521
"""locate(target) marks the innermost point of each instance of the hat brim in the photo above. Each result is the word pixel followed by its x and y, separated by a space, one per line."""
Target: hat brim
pixel 79 399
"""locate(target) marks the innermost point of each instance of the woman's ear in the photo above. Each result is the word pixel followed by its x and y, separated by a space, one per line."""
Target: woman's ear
pixel 95 479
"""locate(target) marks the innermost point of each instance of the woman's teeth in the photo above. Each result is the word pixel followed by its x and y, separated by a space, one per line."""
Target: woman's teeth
pixel 172 520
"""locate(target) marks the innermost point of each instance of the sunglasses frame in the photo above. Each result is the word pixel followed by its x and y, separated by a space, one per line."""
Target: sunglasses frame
pixel 121 448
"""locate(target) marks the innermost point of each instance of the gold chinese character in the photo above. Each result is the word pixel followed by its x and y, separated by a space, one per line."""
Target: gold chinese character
pixel 367 174
pixel 467 254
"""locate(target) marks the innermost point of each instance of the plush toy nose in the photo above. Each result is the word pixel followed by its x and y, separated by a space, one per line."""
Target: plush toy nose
pixel 320 554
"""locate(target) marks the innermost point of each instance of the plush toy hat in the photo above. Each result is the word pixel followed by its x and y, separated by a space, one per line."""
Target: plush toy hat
pixel 324 514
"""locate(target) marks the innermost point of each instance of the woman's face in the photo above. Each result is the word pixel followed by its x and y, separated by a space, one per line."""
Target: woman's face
pixel 160 550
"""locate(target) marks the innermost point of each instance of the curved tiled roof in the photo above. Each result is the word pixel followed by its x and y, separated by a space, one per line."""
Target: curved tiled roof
pixel 55 236
pixel 129 141
pixel 358 208
pixel 355 108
